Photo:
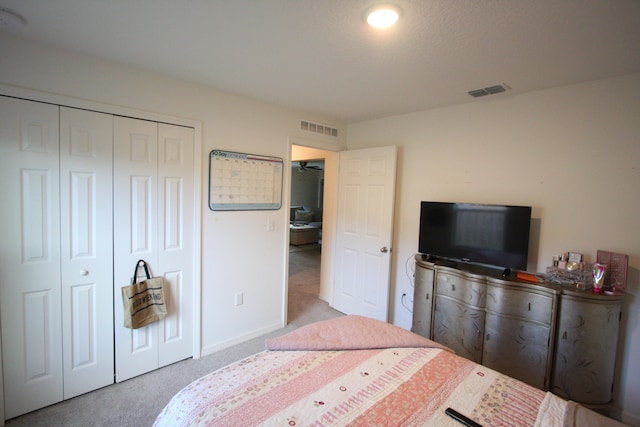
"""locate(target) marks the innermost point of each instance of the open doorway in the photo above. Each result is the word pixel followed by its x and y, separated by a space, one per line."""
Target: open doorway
pixel 307 201
pixel 305 235
pixel 312 201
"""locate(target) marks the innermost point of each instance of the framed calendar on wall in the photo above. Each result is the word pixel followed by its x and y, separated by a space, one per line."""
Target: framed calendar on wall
pixel 241 181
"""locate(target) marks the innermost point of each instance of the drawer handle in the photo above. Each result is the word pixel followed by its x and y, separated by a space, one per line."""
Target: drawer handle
pixel 488 337
pixel 427 297
pixel 453 287
pixel 564 335
pixel 529 306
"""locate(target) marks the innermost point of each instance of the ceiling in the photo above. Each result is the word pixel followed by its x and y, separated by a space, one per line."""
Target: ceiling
pixel 319 56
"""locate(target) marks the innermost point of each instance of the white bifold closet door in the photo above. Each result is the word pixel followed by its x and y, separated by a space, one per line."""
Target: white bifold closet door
pixel 86 207
pixel 56 253
pixel 85 195
pixel 153 221
pixel 30 289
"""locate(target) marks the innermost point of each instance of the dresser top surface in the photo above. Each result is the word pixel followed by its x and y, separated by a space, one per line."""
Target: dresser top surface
pixel 507 278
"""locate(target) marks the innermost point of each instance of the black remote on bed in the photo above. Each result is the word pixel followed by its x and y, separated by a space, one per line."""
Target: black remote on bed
pixel 461 418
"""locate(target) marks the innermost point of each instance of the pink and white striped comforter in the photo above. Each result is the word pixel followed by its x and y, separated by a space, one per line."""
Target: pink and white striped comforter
pixel 379 386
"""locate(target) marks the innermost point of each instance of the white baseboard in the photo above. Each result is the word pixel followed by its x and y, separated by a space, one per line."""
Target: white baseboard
pixel 237 340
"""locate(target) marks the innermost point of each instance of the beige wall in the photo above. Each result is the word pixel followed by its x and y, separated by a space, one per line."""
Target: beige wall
pixel 305 186
pixel 572 153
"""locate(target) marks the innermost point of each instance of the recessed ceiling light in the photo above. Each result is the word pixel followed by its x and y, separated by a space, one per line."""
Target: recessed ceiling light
pixel 11 19
pixel 382 15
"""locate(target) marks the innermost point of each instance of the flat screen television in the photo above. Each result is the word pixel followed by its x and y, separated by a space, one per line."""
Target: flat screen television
pixel 494 235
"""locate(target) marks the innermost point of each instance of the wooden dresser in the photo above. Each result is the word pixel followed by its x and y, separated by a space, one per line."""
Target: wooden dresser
pixel 553 337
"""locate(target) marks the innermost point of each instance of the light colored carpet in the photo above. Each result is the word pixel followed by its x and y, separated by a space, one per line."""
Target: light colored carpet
pixel 136 402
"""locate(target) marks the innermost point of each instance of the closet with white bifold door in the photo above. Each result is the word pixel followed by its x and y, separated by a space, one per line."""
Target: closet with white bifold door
pixel 153 195
pixel 56 265
pixel 78 205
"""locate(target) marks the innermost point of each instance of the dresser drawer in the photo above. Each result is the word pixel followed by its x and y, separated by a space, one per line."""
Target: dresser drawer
pixel 468 289
pixel 528 305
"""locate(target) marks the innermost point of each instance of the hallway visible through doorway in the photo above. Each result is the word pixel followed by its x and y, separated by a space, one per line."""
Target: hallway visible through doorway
pixel 304 279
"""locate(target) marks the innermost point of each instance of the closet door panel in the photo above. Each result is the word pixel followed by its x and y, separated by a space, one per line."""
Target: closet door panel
pixel 135 236
pixel 30 256
pixel 176 237
pixel 86 155
pixel 173 330
pixel 142 223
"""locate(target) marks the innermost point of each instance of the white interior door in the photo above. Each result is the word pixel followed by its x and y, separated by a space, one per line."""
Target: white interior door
pixel 59 245
pixel 135 220
pixel 176 240
pixel 153 220
pixel 366 193
pixel 30 257
pixel 86 157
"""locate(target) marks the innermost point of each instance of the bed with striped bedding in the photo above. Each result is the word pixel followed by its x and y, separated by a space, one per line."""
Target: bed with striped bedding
pixel 358 371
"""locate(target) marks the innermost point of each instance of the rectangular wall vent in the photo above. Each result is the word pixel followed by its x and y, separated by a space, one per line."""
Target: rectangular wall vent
pixel 318 128
pixel 491 90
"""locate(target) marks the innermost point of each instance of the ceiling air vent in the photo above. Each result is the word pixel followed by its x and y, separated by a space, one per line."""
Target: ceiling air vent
pixel 491 90
pixel 318 128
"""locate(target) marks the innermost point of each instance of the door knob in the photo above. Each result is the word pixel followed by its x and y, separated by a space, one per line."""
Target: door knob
pixel 84 272
pixel 384 249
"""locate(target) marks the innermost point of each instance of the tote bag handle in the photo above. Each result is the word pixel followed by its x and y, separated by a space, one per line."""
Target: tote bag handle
pixel 135 271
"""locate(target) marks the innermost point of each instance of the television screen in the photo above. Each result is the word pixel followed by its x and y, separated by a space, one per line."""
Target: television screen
pixel 496 235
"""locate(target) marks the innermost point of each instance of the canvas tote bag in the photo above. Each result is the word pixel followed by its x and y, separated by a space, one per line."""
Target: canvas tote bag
pixel 143 301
